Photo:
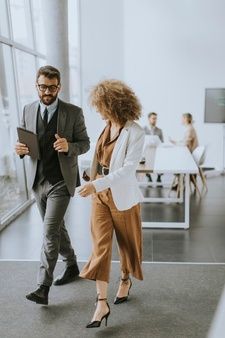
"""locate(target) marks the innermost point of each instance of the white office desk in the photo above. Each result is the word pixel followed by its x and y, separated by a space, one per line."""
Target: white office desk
pixel 174 159
pixel 170 160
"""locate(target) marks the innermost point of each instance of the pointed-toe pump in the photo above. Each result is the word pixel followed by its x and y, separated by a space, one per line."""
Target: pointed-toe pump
pixel 119 300
pixel 97 323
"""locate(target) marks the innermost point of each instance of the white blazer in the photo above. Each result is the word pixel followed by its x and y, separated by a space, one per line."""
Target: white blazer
pixel 122 170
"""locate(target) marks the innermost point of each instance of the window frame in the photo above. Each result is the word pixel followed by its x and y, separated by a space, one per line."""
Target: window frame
pixel 6 219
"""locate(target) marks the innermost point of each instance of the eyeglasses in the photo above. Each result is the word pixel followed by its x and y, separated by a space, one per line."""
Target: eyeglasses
pixel 51 88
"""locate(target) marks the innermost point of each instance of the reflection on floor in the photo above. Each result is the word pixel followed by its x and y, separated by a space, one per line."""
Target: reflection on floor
pixel 203 242
pixel 11 195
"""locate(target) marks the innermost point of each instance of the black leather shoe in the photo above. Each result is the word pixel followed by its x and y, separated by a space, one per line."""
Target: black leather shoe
pixel 68 275
pixel 39 296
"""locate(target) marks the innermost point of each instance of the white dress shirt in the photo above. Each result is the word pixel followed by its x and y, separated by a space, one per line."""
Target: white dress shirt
pixel 51 109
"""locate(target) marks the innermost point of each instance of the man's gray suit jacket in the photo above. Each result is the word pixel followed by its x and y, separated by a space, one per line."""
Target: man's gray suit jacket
pixel 70 125
pixel 157 131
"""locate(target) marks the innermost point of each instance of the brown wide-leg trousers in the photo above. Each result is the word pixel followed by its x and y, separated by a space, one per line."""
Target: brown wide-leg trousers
pixel 127 225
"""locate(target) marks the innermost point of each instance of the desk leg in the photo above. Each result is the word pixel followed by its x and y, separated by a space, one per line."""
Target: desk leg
pixel 187 202
pixel 181 188
pixel 185 190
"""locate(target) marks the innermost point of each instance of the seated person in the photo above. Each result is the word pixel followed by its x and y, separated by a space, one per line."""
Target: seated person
pixel 190 137
pixel 152 129
pixel 190 140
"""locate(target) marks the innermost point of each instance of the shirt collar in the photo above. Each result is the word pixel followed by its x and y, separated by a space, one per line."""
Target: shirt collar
pixel 51 108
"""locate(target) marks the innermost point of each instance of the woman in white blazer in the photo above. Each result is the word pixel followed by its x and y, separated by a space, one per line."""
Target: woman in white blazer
pixel 115 193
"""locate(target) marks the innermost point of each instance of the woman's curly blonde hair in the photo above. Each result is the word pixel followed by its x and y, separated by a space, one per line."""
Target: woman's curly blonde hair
pixel 116 100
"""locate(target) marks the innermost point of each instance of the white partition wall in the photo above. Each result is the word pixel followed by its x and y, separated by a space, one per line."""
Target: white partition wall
pixel 101 36
pixel 168 51
pixel 173 50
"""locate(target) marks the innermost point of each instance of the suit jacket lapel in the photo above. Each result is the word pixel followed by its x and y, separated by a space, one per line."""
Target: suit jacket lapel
pixel 32 123
pixel 61 119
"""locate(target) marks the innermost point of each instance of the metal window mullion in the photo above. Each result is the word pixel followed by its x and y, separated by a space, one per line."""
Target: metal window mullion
pixel 11 42
pixel 23 48
pixel 9 20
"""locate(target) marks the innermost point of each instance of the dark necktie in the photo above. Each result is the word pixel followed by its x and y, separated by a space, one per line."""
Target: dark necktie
pixel 45 116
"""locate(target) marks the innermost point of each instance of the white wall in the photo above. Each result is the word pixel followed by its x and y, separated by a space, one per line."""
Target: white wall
pixel 174 49
pixel 169 51
pixel 101 50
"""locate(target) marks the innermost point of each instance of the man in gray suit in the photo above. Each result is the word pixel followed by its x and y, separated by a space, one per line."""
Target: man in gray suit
pixel 62 137
pixel 153 130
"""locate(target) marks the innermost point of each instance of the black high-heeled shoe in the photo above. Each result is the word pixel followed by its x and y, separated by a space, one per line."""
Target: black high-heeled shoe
pixel 119 300
pixel 97 323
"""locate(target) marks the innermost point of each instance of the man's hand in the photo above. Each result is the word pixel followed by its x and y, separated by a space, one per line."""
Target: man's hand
pixel 61 145
pixel 87 190
pixel 21 149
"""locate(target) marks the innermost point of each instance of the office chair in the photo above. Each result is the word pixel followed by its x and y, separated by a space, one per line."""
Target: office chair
pixel 199 157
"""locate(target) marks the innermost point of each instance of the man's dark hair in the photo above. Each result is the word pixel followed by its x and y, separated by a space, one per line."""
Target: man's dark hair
pixel 49 72
pixel 152 113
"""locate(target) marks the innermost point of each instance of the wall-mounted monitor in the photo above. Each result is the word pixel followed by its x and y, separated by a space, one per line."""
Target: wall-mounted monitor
pixel 215 105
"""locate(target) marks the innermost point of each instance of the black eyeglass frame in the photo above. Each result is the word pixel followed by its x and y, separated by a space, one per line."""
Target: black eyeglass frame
pixel 51 88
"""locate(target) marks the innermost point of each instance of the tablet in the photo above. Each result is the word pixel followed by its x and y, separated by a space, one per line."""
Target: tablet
pixel 31 140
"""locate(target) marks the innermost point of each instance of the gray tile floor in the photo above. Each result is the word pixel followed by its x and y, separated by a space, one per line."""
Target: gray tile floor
pixel 203 242
pixel 173 301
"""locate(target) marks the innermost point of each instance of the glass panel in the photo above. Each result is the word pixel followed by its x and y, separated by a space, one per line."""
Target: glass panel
pixel 39 26
pixel 26 77
pixel 21 22
pixel 4 24
pixel 12 180
pixel 26 74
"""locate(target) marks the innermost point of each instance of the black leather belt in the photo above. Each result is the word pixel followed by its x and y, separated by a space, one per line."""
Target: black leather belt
pixel 101 170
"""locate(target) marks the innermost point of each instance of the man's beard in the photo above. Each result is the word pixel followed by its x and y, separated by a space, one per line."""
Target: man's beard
pixel 48 99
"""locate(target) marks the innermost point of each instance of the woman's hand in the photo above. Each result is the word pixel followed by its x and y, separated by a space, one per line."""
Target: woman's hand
pixel 87 190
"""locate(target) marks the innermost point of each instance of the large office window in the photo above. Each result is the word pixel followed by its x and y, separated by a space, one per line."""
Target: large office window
pixel 26 72
pixel 12 177
pixel 21 22
pixel 21 52
pixel 4 24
